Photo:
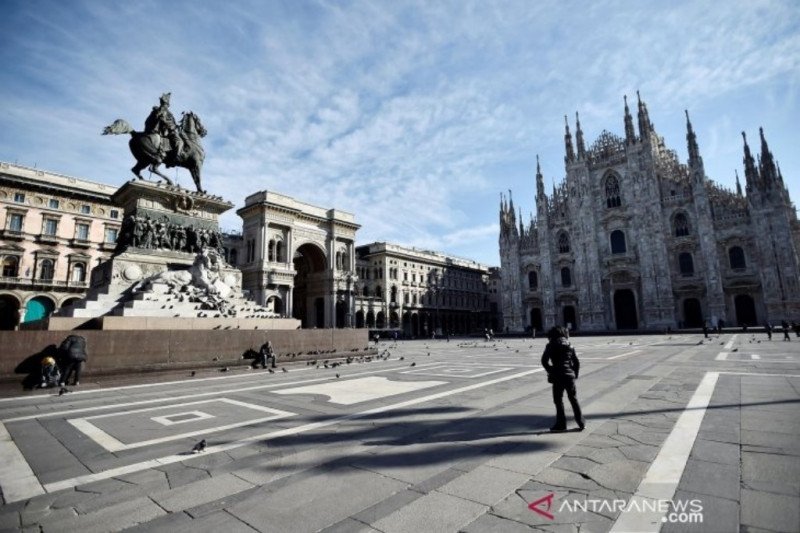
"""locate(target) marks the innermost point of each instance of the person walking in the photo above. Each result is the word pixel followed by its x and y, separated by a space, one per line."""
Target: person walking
pixel 73 351
pixel 785 326
pixel 768 329
pixel 562 366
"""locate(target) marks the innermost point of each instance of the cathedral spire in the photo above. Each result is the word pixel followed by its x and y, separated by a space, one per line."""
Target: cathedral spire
pixel 738 185
pixel 750 171
pixel 539 179
pixel 644 120
pixel 691 140
pixel 630 134
pixel 769 174
pixel 579 138
pixel 570 157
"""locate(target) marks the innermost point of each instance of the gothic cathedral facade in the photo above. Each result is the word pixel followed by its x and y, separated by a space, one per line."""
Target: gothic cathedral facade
pixel 634 239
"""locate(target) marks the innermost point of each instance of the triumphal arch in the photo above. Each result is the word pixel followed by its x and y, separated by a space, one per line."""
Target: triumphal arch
pixel 299 259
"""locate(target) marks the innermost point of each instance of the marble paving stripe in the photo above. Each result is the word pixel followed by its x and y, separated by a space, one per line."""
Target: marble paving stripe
pixel 622 355
pixel 153 463
pixel 17 480
pixel 236 390
pixel 664 474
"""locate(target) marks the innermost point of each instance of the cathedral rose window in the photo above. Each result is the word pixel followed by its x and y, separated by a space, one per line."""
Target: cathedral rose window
pixel 563 243
pixel 681 225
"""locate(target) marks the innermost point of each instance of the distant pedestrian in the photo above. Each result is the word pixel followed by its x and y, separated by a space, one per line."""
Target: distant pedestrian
pixel 768 329
pixel 562 365
pixel 785 327
pixel 796 328
pixel 264 353
pixel 73 352
pixel 705 329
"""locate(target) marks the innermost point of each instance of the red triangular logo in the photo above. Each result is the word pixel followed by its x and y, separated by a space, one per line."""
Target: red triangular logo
pixel 534 506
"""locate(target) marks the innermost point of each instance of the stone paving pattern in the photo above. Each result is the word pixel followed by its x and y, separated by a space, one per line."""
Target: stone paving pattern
pixel 470 461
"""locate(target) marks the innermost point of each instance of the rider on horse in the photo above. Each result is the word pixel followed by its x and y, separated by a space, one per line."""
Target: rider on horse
pixel 162 121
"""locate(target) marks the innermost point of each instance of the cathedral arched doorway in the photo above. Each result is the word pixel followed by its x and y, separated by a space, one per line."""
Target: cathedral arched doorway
pixel 625 309
pixel 9 312
pixel 406 324
pixel 692 313
pixel 309 286
pixel 360 319
pixel 370 319
pixel 569 317
pixel 415 325
pixel 536 320
pixel 745 310
pixel 341 314
pixel 381 320
pixel 38 307
pixel 394 320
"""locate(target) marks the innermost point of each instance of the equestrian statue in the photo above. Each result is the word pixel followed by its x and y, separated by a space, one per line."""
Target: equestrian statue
pixel 165 141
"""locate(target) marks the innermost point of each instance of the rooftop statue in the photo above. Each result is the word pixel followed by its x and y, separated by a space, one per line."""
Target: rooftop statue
pixel 175 144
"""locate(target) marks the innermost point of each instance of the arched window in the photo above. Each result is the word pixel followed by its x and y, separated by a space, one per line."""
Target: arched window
pixel 46 269
pixel 394 294
pixel 279 251
pixel 10 266
pixel 686 264
pixel 618 242
pixel 681 224
pixel 736 258
pixel 378 292
pixel 533 280
pixel 271 251
pixel 366 291
pixel 563 243
pixel 79 272
pixel 566 277
pixel 612 192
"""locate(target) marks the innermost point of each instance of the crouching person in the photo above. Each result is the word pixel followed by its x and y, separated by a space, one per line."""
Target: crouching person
pixel 73 351
pixel 562 366
pixel 50 373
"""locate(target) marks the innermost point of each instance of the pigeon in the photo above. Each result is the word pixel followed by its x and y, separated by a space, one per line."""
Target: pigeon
pixel 62 391
pixel 199 447
pixel 283 369
pixel 402 358
pixel 193 373
pixel 270 371
pixel 224 369
pixel 337 375
pixel 413 364
pixel 735 349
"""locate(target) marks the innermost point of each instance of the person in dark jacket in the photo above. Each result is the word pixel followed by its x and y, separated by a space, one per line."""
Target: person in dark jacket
pixel 73 351
pixel 562 366
pixel 264 353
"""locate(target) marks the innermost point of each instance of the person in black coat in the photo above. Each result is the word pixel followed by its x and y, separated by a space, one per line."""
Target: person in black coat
pixel 73 352
pixel 264 353
pixel 562 366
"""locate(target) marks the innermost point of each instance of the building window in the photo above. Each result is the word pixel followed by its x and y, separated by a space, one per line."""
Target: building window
pixel 618 242
pixel 533 280
pixel 50 226
pixel 46 269
pixel 10 267
pixel 79 272
pixel 686 264
pixel 111 235
pixel 378 292
pixel 681 224
pixel 612 192
pixel 82 232
pixel 86 209
pixel 114 213
pixel 566 277
pixel 233 257
pixel 19 197
pixel 53 203
pixel 736 258
pixel 563 243
pixel 15 222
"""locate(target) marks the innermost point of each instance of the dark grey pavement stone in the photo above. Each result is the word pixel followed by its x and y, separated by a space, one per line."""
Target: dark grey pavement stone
pixel 10 520
pixel 713 479
pixel 179 475
pixel 718 515
pixel 485 485
pixel 220 504
pixel 113 518
pixel 168 523
pixel 349 525
pixel 322 500
pixel 437 480
pixel 47 457
pixel 386 507
pixel 200 492
pixel 622 476
pixel 770 442
pixel 489 523
pixel 771 473
pixel 433 513
pixel 776 512
pixel 715 452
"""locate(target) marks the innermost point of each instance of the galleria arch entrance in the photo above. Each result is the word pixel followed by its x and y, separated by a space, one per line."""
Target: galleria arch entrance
pixel 625 309
pixel 309 286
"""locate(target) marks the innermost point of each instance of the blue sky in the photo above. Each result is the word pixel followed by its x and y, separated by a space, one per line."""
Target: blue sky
pixel 414 116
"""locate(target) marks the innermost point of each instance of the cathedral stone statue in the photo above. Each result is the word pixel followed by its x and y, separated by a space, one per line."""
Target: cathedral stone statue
pixel 165 141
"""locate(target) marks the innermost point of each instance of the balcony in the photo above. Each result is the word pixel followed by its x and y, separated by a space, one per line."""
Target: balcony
pixel 13 235
pixel 45 238
pixel 80 243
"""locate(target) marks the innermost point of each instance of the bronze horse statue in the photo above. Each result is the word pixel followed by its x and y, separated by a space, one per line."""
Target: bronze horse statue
pixel 152 149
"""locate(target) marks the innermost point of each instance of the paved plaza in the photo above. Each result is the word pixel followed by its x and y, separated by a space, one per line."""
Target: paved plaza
pixel 683 434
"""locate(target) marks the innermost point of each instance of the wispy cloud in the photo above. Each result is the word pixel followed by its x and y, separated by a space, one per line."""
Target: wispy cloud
pixel 412 115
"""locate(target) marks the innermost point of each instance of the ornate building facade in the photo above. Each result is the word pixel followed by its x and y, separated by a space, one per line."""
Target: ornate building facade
pixel 634 239
pixel 55 229
pixel 419 292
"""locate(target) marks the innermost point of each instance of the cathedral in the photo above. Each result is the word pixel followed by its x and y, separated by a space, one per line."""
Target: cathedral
pixel 634 239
